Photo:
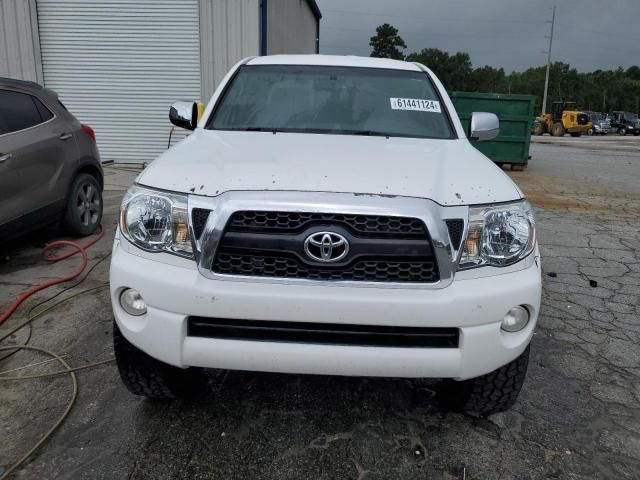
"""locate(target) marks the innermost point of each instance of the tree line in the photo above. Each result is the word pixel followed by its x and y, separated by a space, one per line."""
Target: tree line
pixel 600 90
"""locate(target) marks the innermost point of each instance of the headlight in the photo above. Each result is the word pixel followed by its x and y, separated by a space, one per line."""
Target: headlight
pixel 499 235
pixel 156 221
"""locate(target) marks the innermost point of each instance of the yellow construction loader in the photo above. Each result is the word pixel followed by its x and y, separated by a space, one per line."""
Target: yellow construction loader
pixel 562 119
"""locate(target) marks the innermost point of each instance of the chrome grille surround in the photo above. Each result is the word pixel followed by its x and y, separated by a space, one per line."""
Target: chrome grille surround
pixel 223 206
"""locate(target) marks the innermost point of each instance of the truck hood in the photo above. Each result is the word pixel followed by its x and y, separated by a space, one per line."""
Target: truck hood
pixel 449 172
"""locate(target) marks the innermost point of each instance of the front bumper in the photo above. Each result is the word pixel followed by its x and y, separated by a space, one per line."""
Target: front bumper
pixel 174 289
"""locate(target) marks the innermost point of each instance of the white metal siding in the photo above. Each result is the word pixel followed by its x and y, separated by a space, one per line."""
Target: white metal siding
pixel 119 64
pixel 291 27
pixel 229 31
pixel 19 48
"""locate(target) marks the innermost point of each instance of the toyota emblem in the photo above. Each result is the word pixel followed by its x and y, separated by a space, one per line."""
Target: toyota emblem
pixel 326 247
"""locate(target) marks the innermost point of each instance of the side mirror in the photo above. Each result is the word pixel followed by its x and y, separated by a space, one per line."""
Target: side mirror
pixel 483 126
pixel 184 115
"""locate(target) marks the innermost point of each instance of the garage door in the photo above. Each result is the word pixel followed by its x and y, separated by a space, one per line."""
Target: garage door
pixel 119 64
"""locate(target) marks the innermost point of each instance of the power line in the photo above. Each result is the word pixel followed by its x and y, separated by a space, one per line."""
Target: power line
pixel 579 28
pixel 404 32
pixel 439 19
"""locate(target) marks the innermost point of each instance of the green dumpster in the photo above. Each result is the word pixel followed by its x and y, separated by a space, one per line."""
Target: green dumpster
pixel 516 116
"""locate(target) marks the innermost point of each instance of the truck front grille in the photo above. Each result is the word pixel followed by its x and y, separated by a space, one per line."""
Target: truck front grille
pixel 256 265
pixel 456 229
pixel 288 222
pixel 199 218
pixel 272 244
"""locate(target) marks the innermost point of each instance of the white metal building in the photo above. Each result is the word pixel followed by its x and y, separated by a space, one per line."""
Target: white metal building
pixel 119 64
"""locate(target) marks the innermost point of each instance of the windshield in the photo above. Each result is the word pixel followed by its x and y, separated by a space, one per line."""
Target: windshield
pixel 630 116
pixel 336 100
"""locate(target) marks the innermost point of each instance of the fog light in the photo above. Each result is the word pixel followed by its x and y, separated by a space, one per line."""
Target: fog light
pixel 132 302
pixel 515 319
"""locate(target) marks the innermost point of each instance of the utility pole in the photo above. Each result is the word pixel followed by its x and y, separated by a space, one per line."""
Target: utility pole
pixel 546 78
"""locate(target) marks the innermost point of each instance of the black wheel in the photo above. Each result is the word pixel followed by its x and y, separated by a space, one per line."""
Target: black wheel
pixel 558 130
pixel 491 393
pixel 538 129
pixel 622 131
pixel 591 132
pixel 144 375
pixel 84 206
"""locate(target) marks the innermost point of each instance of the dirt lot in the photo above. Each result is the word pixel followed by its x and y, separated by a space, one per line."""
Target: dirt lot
pixel 578 416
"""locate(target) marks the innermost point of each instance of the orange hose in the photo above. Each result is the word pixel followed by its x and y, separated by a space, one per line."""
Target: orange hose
pixel 81 249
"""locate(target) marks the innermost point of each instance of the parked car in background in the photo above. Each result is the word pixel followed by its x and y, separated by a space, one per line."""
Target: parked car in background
pixel 328 215
pixel 49 164
pixel 601 126
pixel 625 123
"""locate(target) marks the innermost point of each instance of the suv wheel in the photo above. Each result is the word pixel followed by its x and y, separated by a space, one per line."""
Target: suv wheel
pixel 144 375
pixel 491 393
pixel 622 131
pixel 84 206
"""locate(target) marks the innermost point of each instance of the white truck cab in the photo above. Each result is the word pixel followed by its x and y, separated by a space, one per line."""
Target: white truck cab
pixel 328 215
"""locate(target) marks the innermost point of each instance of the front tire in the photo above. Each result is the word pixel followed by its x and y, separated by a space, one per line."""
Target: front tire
pixel 84 206
pixel 491 393
pixel 144 375
pixel 538 129
pixel 558 129
pixel 622 131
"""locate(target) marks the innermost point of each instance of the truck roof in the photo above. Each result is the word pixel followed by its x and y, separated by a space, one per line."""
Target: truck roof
pixel 334 60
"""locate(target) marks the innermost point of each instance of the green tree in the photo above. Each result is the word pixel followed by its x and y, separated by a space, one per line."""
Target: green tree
pixel 633 72
pixel 454 71
pixel 488 79
pixel 386 43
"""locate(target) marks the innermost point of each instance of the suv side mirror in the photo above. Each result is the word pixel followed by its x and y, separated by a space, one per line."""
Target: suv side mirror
pixel 483 126
pixel 184 114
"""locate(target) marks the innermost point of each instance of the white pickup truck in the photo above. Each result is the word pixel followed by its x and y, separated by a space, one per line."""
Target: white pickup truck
pixel 328 215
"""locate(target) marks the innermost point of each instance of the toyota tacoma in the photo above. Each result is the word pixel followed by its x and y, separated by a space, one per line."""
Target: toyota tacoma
pixel 327 215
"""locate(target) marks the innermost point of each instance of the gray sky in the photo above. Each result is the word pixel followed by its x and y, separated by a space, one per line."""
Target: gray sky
pixel 589 34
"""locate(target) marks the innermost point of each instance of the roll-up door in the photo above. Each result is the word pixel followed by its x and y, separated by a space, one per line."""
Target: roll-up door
pixel 119 64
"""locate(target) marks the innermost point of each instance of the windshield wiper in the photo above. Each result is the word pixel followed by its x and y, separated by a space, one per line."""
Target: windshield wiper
pixel 257 129
pixel 368 133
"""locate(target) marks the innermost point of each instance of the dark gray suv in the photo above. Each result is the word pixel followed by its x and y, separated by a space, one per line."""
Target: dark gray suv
pixel 49 164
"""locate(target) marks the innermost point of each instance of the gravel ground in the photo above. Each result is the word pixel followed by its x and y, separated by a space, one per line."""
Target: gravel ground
pixel 578 416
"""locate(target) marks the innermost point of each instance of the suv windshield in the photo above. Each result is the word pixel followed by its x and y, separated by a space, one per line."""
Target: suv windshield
pixel 336 100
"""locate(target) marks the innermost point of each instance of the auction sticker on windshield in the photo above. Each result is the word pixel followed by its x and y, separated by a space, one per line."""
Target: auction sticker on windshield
pixel 417 104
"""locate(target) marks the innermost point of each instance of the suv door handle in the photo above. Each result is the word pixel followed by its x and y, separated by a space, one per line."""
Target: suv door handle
pixel 65 136
pixel 5 157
